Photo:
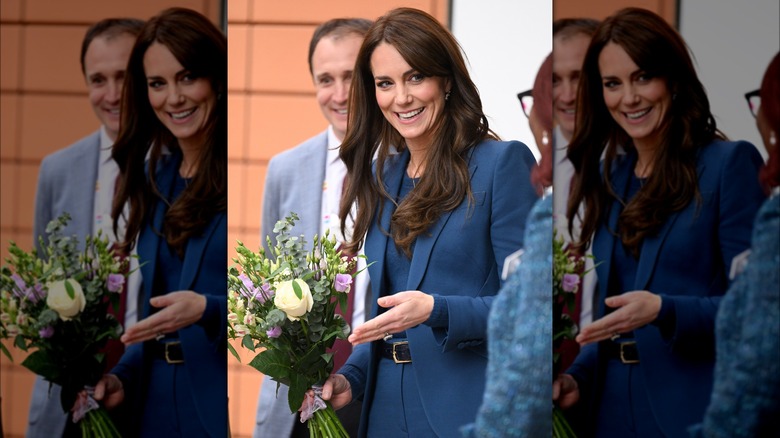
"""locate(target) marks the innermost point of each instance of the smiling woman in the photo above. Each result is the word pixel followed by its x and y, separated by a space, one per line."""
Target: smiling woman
pixel 435 222
pixel 667 211
pixel 172 154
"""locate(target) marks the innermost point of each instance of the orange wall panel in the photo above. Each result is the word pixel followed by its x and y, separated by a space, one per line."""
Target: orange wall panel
pixel 602 9
pixel 236 194
pixel 10 37
pixel 280 67
pixel 26 180
pixel 51 58
pixel 8 208
pixel 237 126
pixel 11 10
pixel 278 123
pixel 66 119
pixel 313 11
pixel 9 144
pixel 56 10
pixel 238 53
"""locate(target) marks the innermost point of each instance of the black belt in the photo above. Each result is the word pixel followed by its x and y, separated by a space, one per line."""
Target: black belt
pixel 625 351
pixel 170 352
pixel 397 351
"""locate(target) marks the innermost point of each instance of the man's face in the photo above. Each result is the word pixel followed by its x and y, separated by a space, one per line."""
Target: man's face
pixel 105 63
pixel 568 55
pixel 332 63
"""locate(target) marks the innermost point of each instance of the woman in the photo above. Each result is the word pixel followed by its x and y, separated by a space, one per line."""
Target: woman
pixel 439 218
pixel 172 152
pixel 746 393
pixel 666 219
pixel 517 395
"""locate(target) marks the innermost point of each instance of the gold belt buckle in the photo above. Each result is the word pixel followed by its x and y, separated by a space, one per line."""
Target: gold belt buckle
pixel 167 357
pixel 395 358
pixel 622 354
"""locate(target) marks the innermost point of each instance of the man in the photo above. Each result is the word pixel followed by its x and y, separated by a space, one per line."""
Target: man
pixel 87 193
pixel 314 193
pixel 571 37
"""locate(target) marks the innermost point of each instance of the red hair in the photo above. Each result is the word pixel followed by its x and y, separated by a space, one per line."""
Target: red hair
pixel 770 110
pixel 541 174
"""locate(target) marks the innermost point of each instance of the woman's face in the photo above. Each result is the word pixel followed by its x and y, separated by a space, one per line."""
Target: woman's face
pixel 637 101
pixel 411 102
pixel 181 101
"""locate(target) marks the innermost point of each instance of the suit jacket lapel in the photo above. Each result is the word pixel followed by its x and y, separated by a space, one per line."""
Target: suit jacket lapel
pixel 85 219
pixel 376 239
pixel 149 244
pixel 651 247
pixel 311 207
pixel 194 254
pixel 423 247
pixel 605 240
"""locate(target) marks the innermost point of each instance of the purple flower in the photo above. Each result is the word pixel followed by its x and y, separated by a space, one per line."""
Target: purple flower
pixel 261 294
pixel 46 332
pixel 570 282
pixel 19 282
pixel 114 282
pixel 274 332
pixel 342 282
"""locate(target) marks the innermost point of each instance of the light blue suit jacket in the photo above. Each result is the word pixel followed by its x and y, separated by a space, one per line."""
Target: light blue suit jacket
pixel 293 183
pixel 687 263
pixel 204 343
pixel 66 182
pixel 459 261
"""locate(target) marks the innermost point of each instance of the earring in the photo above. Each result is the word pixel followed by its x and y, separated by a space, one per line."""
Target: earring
pixel 772 139
pixel 447 95
pixel 545 138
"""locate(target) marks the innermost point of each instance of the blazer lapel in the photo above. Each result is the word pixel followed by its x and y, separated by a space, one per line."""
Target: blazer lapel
pixel 605 240
pixel 149 242
pixel 193 255
pixel 376 239
pixel 423 247
pixel 651 247
pixel 312 194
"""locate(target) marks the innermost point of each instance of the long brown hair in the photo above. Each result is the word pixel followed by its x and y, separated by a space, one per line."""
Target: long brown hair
pixel 202 49
pixel 432 50
pixel 661 52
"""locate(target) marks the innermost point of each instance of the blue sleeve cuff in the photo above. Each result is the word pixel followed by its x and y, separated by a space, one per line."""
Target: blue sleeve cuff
pixel 666 319
pixel 210 321
pixel 440 315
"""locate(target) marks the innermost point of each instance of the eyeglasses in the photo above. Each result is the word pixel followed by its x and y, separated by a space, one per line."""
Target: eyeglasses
pixel 526 101
pixel 754 101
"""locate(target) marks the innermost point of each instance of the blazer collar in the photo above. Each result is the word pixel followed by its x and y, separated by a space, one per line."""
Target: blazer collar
pixel 423 246
pixel 651 247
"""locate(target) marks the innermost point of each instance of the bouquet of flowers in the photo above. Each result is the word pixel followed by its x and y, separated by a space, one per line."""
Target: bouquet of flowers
pixel 56 304
pixel 285 306
pixel 568 270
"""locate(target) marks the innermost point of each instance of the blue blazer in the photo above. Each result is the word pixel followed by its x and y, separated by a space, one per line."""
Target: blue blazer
pixel 687 263
pixel 204 344
pixel 459 261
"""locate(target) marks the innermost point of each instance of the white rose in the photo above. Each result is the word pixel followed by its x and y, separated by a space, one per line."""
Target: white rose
pixel 59 301
pixel 286 300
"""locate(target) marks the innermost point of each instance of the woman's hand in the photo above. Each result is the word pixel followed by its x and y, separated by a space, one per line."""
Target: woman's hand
pixel 565 391
pixel 110 391
pixel 337 390
pixel 409 308
pixel 180 309
pixel 634 309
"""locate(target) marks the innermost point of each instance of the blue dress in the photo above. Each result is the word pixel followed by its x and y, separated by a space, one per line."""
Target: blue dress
pixel 746 393
pixel 518 391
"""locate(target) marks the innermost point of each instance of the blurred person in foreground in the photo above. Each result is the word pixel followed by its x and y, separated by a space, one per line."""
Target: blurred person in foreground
pixel 517 395
pixel 746 393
